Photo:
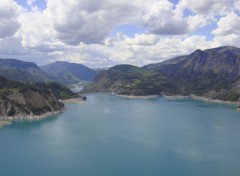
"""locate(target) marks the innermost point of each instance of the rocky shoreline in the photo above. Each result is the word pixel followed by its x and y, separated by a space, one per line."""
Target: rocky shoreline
pixel 195 97
pixel 7 120
pixel 31 117
pixel 213 100
pixel 136 97
pixel 73 101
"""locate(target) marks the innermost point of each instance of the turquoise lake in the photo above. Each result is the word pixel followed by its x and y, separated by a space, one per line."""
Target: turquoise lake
pixel 115 136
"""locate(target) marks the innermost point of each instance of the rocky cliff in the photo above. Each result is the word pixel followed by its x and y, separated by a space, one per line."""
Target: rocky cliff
pixel 19 100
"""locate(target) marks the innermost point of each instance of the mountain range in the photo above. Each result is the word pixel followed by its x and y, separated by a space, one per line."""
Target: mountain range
pixel 28 72
pixel 212 73
pixel 17 70
pixel 27 91
pixel 69 73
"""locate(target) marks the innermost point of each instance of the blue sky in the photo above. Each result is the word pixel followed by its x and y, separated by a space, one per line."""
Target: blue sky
pixel 41 4
pixel 105 32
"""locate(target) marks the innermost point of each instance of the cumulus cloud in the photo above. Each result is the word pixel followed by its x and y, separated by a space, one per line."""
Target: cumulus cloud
pixel 228 25
pixel 237 5
pixel 30 2
pixel 197 21
pixel 9 12
pixel 208 7
pixel 132 50
pixel 72 22
pixel 36 29
pixel 160 18
pixel 140 39
pixel 227 40
pixel 81 30
pixel 88 21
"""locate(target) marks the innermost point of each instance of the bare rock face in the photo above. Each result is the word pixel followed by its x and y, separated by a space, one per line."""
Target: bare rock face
pixel 28 103
pixel 18 100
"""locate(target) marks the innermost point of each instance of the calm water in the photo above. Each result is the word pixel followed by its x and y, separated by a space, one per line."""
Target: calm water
pixel 113 136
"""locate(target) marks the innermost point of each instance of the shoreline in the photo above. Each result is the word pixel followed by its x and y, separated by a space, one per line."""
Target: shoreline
pixel 9 119
pixel 195 97
pixel 175 96
pixel 137 97
pixel 200 98
pixel 192 96
pixel 72 101
pixel 39 117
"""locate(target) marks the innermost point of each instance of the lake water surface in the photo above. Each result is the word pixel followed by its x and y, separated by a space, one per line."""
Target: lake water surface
pixel 114 136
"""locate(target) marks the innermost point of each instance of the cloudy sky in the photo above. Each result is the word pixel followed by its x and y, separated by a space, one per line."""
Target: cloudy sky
pixel 102 33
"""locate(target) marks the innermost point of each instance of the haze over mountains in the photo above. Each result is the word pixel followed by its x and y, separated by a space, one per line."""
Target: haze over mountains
pixel 63 72
pixel 69 73
pixel 22 71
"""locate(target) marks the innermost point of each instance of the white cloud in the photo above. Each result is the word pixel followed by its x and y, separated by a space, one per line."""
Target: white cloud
pixel 197 21
pixel 230 24
pixel 237 5
pixel 160 18
pixel 30 2
pixel 80 30
pixel 9 11
pixel 141 39
pixel 131 51
pixel 227 40
pixel 36 29
pixel 72 22
pixel 208 7
pixel 88 21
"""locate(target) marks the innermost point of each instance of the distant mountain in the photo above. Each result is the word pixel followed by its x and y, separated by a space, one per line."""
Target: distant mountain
pixel 22 71
pixel 212 64
pixel 213 73
pixel 100 68
pixel 167 62
pixel 131 80
pixel 227 50
pixel 19 100
pixel 69 73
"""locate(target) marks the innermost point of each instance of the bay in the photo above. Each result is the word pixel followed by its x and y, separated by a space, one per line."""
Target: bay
pixel 115 136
